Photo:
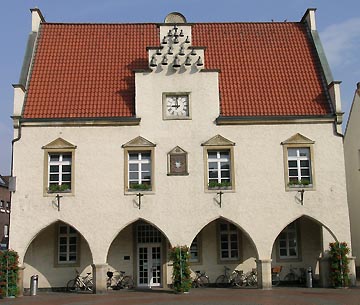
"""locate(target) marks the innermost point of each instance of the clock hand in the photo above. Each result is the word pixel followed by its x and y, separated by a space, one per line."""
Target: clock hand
pixel 176 104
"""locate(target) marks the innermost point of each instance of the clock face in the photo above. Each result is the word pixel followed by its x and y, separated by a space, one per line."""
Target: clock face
pixel 177 106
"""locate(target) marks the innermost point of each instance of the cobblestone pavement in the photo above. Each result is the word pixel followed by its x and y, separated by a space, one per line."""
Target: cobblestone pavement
pixel 210 296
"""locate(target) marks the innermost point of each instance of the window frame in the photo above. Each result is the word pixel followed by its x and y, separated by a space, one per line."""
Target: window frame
pixel 198 239
pixel 66 263
pixel 299 142
pixel 58 146
pixel 129 150
pixel 288 258
pixel 218 149
pixel 238 240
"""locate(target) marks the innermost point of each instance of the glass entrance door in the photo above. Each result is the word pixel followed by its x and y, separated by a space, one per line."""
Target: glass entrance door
pixel 149 265
pixel 149 256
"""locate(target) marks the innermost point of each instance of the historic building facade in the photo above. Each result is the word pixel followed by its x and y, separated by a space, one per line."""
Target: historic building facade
pixel 134 138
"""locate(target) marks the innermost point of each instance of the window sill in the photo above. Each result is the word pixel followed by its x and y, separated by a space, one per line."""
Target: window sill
pixel 134 192
pixel 62 193
pixel 217 189
pixel 297 187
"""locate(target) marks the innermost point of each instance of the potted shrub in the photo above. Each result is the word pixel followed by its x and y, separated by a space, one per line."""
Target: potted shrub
pixel 181 269
pixel 54 188
pixel 299 183
pixel 213 185
pixel 140 187
pixel 339 264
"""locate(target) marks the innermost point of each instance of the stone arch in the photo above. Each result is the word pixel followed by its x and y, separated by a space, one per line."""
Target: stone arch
pixel 44 227
pixel 131 222
pixel 205 223
pixel 41 256
pixel 308 217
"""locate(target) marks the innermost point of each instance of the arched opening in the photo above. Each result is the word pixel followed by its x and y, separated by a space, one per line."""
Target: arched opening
pixel 54 254
pixel 299 246
pixel 141 250
pixel 222 243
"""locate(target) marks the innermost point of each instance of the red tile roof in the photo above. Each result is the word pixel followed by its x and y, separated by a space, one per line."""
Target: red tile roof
pixel 86 70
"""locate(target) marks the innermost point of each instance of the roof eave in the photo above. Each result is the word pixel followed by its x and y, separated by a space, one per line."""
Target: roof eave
pixel 287 119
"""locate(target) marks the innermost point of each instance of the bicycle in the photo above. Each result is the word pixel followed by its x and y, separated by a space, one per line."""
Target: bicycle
pixel 80 283
pixel 236 278
pixel 121 282
pixel 275 275
pixel 201 280
pixel 295 276
pixel 251 278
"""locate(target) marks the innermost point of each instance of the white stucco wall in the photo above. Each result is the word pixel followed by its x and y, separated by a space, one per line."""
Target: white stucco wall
pixel 352 162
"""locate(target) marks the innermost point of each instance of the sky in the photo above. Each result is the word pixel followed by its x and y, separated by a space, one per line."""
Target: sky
pixel 338 24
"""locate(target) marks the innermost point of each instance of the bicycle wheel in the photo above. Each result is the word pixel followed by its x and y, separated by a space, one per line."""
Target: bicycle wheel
pixel 251 280
pixel 221 281
pixel 72 286
pixel 275 279
pixel 202 281
pixel 239 280
pixel 127 282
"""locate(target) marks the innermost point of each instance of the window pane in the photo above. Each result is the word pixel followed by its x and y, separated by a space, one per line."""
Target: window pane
pixel 223 227
pixel 66 178
pixel 213 174
pixel 54 157
pixel 292 152
pixel 224 155
pixel 304 152
pixel 54 168
pixel 72 248
pixel 225 174
pixel 133 167
pixel 62 258
pixel 62 249
pixel 133 176
pixel 283 252
pixel 66 157
pixel 66 168
pixel 145 176
pixel 304 163
pixel 213 165
pixel 54 177
pixel 63 230
pixel 146 167
pixel 234 253
pixel 133 156
pixel 292 252
pixel 72 230
pixel 305 172
pixel 72 258
pixel 72 240
pixel 293 172
pixel 63 240
pixel 212 155
pixel 292 163
pixel 225 165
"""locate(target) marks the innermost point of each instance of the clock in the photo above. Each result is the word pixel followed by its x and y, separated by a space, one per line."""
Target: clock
pixel 176 106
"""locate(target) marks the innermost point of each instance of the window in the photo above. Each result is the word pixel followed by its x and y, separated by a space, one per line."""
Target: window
pixel 67 245
pixel 59 167
pixel 298 161
pixel 2 205
pixel 219 168
pixel 288 242
pixel 139 165
pixel 139 170
pixel 195 250
pixel 229 242
pixel 8 206
pixel 6 230
pixel 219 171
pixel 60 171
pixel 299 169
